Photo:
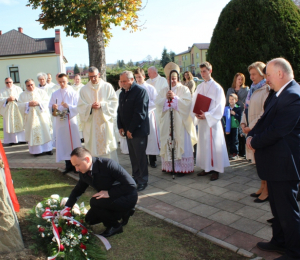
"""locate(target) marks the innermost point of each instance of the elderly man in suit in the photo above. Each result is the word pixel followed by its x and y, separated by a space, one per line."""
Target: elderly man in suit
pixel 133 122
pixel 276 142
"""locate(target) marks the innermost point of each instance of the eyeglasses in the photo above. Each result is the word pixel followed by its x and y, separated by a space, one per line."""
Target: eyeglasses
pixel 8 82
pixel 30 85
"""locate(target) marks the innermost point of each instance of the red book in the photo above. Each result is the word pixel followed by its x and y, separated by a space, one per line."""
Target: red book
pixel 202 103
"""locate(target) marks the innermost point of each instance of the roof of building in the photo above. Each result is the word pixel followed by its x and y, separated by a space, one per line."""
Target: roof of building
pixel 14 42
pixel 200 46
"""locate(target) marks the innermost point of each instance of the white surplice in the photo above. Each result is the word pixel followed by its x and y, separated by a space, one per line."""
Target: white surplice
pixel 49 89
pixel 159 83
pixel 63 141
pixel 153 137
pixel 98 124
pixel 12 118
pixel 37 120
pixel 117 135
pixel 77 88
pixel 184 130
pixel 211 152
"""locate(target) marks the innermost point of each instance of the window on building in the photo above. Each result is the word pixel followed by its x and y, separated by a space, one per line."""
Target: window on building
pixel 185 57
pixel 182 57
pixel 197 55
pixel 14 74
pixel 198 64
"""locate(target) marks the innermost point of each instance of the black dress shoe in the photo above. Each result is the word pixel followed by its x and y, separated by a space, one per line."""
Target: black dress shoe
pixel 110 231
pixel 261 201
pixel 271 220
pixel 49 153
pixel 267 246
pixel 126 217
pixel 285 257
pixel 141 187
pixel 255 195
pixel 180 174
pixel 153 165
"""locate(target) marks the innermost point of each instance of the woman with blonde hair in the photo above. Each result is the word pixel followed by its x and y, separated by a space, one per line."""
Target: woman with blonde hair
pixel 188 81
pixel 254 108
pixel 239 88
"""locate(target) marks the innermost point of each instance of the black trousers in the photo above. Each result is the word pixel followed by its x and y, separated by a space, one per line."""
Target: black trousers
pixel 109 211
pixel 137 153
pixel 242 145
pixel 233 141
pixel 152 159
pixel 285 209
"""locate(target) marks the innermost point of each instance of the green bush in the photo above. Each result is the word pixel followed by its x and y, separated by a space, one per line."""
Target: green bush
pixel 254 30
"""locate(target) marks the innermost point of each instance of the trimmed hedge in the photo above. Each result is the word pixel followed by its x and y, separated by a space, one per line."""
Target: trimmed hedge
pixel 254 30
pixel 113 76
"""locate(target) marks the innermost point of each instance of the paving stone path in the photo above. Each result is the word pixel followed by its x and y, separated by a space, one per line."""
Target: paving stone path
pixel 221 211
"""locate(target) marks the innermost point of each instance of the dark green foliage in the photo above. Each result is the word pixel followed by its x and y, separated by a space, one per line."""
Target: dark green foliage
pixel 165 58
pixel 172 55
pixel 130 63
pixel 254 30
pixel 76 69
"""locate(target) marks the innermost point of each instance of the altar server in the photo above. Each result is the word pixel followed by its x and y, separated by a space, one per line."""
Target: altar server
pixel 63 103
pixel 153 138
pixel 212 154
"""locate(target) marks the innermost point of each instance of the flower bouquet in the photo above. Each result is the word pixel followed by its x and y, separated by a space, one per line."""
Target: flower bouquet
pixel 63 233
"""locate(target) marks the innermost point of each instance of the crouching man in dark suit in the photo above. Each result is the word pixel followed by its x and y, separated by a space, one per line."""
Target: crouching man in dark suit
pixel 276 141
pixel 116 194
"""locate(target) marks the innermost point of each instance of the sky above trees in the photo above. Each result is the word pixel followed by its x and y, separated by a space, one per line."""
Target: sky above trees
pixel 174 25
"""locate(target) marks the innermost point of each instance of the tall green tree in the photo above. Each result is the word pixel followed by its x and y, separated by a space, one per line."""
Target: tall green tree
pixel 165 58
pixel 254 30
pixel 76 69
pixel 92 18
pixel 172 55
pixel 130 64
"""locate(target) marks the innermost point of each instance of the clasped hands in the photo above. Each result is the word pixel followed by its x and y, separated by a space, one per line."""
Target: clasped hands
pixel 248 143
pixel 65 105
pixel 122 132
pixel 201 116
pixel 11 98
pixel 96 105
pixel 33 103
pixel 103 194
pixel 170 94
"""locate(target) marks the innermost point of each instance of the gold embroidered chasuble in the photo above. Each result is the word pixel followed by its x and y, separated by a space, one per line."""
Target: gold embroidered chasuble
pixel 10 111
pixel 98 130
pixel 182 121
pixel 37 120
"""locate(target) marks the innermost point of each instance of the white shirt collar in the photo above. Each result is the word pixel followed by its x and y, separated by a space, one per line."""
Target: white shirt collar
pixel 282 88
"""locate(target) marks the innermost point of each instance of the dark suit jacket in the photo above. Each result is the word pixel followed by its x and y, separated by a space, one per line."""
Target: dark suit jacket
pixel 276 137
pixel 106 175
pixel 133 111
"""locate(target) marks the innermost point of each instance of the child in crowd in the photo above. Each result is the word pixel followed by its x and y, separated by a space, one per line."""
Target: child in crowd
pixel 231 118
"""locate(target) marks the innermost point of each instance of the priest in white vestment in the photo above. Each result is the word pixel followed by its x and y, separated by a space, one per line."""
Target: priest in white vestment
pixel 12 118
pixel 66 135
pixel 153 137
pixel 42 78
pixel 33 105
pixel 97 108
pixel 77 87
pixel 156 80
pixel 180 100
pixel 212 154
pixel 49 80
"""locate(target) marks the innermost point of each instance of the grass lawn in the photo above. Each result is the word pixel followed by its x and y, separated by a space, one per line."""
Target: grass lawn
pixel 145 237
